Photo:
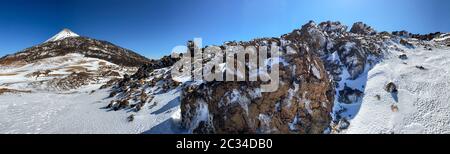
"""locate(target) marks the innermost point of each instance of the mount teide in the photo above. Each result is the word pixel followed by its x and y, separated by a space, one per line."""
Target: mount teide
pixel 66 42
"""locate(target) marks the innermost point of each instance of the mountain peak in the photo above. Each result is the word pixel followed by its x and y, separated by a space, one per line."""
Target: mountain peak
pixel 65 33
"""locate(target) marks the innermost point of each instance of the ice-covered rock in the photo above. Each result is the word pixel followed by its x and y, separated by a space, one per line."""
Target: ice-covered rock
pixel 301 104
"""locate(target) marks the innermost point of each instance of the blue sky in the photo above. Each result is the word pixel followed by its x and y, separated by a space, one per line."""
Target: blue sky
pixel 153 27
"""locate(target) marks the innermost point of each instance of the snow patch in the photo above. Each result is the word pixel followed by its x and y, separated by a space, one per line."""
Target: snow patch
pixel 65 33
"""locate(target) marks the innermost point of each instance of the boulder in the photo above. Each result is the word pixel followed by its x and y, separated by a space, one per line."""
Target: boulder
pixel 362 28
pixel 350 96
pixel 130 118
pixel 391 88
pixel 420 67
pixel 402 33
pixel 405 43
pixel 403 57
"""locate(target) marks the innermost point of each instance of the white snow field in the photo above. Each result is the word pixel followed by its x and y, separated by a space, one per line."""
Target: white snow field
pixel 65 33
pixel 423 101
pixel 82 112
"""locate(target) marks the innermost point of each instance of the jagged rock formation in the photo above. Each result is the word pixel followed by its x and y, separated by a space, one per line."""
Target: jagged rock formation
pixel 344 55
pixel 362 28
pixel 318 62
pixel 137 90
pixel 423 37
pixel 426 37
pixel 306 93
pixel 323 69
pixel 143 71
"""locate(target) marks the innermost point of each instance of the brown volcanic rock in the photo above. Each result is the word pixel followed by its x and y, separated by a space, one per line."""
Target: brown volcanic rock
pixel 145 70
pixel 73 81
pixel 82 45
pixel 327 37
pixel 238 107
pixel 241 107
pixel 319 53
pixel 362 28
pixel 426 37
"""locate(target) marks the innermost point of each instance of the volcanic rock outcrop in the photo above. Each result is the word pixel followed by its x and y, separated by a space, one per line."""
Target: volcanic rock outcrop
pixel 323 70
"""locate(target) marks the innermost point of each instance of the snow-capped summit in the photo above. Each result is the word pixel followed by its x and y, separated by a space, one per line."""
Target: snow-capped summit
pixel 65 33
pixel 67 42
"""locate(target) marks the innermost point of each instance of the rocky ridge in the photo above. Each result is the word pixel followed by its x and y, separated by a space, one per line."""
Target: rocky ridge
pixel 323 70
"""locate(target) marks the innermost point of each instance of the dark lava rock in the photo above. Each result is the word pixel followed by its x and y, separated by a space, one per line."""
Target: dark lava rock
pixel 403 56
pixel 406 43
pixel 391 88
pixel 426 37
pixel 421 67
pixel 349 95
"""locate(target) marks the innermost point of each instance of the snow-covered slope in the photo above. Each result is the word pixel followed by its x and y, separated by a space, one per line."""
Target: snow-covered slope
pixel 62 86
pixel 46 73
pixel 422 103
pixel 81 111
pixel 65 33
pixel 41 97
